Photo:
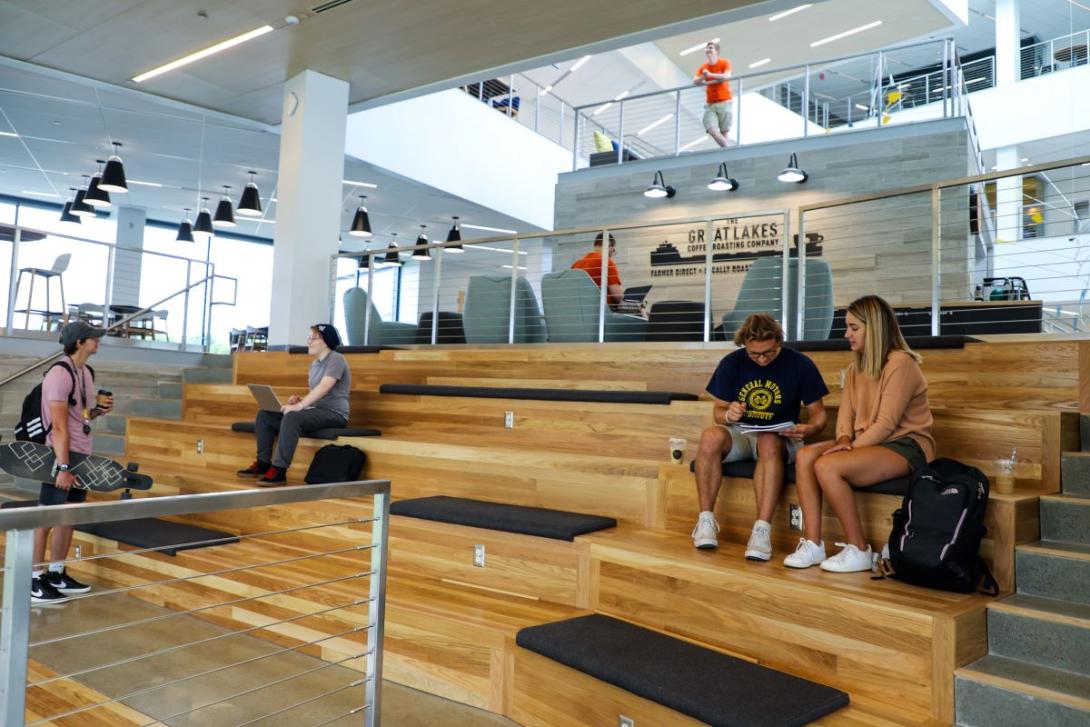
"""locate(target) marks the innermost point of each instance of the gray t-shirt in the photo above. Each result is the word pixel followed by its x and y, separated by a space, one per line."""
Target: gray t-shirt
pixel 335 366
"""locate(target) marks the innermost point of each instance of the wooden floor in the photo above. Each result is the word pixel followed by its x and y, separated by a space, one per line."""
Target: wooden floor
pixel 450 626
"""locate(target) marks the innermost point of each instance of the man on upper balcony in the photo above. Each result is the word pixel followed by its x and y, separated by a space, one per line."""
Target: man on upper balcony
pixel 715 77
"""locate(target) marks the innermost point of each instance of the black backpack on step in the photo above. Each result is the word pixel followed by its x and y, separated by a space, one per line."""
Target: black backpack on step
pixel 937 530
pixel 335 463
pixel 30 427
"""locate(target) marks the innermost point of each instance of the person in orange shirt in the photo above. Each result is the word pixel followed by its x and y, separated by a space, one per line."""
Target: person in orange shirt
pixel 592 263
pixel 715 77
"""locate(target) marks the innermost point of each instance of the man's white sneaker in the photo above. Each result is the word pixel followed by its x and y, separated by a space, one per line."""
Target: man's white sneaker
pixel 849 560
pixel 807 553
pixel 705 532
pixel 759 546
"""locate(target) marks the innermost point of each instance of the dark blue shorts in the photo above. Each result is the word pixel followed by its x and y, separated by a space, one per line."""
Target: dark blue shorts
pixel 50 495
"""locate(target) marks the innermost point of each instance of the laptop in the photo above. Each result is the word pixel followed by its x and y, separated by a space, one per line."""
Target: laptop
pixel 266 397
pixel 637 293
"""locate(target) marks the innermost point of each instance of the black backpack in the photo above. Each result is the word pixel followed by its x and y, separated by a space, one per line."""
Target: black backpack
pixel 30 427
pixel 937 530
pixel 335 463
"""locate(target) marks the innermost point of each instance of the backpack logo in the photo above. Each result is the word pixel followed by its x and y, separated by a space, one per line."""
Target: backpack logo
pixel 949 491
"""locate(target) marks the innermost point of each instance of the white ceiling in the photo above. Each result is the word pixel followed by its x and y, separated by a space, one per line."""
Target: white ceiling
pixel 65 124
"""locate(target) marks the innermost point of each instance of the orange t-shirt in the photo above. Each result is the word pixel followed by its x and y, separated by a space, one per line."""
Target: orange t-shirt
pixel 716 92
pixel 592 263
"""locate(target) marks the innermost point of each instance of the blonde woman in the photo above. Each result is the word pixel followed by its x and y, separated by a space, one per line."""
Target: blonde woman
pixel 883 431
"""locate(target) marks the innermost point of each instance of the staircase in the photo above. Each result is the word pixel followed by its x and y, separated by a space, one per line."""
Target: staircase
pixel 1037 670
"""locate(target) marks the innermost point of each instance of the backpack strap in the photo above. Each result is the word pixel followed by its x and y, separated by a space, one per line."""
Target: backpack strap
pixel 71 374
pixel 990 586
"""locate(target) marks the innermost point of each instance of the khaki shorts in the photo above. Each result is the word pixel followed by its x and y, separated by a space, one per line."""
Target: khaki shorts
pixel 718 115
pixel 744 445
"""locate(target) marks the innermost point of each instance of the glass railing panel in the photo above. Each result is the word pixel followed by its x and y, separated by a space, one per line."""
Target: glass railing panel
pixel 472 301
pixel 84 274
pixel 251 265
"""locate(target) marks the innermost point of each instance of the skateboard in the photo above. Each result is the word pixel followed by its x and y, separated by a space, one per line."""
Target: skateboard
pixel 35 462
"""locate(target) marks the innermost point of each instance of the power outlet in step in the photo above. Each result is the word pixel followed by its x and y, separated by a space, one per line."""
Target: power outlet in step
pixel 200 446
pixel 794 517
pixel 478 555
pixel 623 721
pixel 509 420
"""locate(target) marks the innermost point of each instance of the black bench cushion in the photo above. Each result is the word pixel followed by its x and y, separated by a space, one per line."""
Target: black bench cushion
pixel 745 468
pixel 500 392
pixel 327 433
pixel 538 521
pixel 720 690
pixel 148 532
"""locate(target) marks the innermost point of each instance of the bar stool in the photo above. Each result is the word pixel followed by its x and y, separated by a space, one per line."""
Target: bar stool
pixel 59 266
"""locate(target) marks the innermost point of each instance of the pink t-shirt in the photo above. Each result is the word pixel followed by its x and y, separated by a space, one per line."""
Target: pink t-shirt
pixel 56 386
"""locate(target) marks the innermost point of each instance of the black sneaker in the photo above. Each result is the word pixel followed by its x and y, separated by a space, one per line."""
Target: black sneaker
pixel 273 476
pixel 256 469
pixel 65 583
pixel 44 594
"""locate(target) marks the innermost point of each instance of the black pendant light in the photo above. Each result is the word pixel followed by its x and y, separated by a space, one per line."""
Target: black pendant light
pixel 250 203
pixel 66 214
pixel 422 254
pixel 658 188
pixel 185 229
pixel 455 236
pixel 391 258
pixel 365 261
pixel 225 214
pixel 79 207
pixel 96 196
pixel 792 173
pixel 113 176
pixel 723 182
pixel 204 220
pixel 361 223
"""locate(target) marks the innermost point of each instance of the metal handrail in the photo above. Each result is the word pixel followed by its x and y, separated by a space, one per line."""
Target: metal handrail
pixel 119 324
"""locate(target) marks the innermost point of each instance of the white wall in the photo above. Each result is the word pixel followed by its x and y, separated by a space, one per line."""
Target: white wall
pixel 1050 105
pixel 1056 269
pixel 455 143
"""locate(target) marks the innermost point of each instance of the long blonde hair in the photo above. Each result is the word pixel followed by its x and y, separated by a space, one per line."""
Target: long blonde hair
pixel 882 335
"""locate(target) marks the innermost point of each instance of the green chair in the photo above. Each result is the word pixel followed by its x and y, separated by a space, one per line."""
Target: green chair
pixel 488 307
pixel 572 301
pixel 382 333
pixel 762 291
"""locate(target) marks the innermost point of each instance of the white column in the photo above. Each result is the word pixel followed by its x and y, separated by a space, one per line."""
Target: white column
pixel 1008 38
pixel 128 256
pixel 308 208
pixel 1008 196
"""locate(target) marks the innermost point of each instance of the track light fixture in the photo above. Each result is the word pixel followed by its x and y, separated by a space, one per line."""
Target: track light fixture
pixel 455 236
pixel 422 254
pixel 96 196
pixel 66 213
pixel 204 221
pixel 723 182
pixel 391 258
pixel 113 176
pixel 658 188
pixel 225 214
pixel 249 205
pixel 792 173
pixel 361 223
pixel 185 229
pixel 79 207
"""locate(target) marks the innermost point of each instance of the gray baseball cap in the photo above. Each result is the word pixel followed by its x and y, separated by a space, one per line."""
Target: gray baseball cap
pixel 79 330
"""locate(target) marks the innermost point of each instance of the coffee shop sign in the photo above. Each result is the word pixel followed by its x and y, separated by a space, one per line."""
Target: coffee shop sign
pixel 735 245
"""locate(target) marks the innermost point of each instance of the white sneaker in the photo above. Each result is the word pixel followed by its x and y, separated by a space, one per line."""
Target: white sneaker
pixel 705 532
pixel 849 560
pixel 808 553
pixel 759 546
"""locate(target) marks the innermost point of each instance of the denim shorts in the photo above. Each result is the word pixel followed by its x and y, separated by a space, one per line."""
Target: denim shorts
pixel 50 495
pixel 910 449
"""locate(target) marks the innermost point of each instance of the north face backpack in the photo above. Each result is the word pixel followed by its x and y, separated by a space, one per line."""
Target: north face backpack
pixel 937 531
pixel 30 427
pixel 335 463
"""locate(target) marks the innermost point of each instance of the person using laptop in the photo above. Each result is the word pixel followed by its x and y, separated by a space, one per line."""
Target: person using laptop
pixel 592 264
pixel 325 405
pixel 758 391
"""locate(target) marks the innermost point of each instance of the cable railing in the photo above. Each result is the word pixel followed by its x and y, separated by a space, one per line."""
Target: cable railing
pixel 963 255
pixel 1055 54
pixel 529 103
pixel 302 621
pixel 109 286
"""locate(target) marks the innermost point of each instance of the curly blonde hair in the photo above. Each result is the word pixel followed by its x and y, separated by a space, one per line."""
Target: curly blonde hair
pixel 758 327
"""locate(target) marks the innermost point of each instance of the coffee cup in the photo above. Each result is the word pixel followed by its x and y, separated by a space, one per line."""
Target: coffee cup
pixel 1004 476
pixel 102 400
pixel 677 450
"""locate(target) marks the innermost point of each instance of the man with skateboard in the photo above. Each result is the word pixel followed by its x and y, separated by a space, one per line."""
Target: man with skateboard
pixel 69 403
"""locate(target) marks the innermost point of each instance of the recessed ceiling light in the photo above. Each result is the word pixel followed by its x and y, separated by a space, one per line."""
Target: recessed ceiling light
pixel 785 13
pixel 695 48
pixel 762 62
pixel 489 229
pixel 861 107
pixel 654 124
pixel 8 133
pixel 845 34
pixel 694 142
pixel 40 194
pixel 606 105
pixel 579 64
pixel 144 184
pixel 545 91
pixel 1025 159
pixel 211 50
pixel 351 183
